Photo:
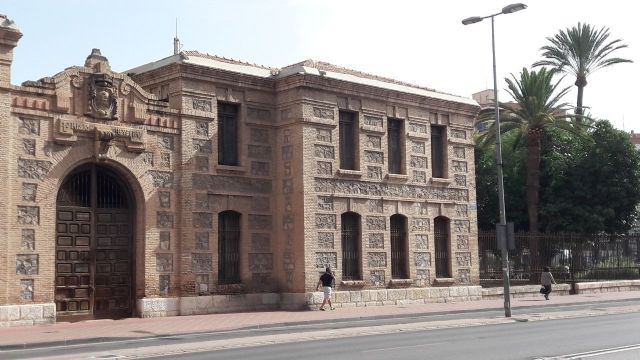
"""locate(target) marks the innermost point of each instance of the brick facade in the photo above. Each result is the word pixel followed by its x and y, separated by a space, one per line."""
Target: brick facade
pixel 157 129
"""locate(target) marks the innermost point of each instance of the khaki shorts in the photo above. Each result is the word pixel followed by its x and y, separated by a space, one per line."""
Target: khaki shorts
pixel 327 292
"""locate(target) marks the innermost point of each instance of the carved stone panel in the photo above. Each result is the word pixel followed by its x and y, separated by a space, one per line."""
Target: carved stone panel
pixel 373 142
pixel 419 162
pixel 260 242
pixel 202 240
pixel 28 215
pixel 464 276
pixel 165 142
pixel 164 262
pixel 27 264
pixel 165 160
pixel 375 205
pixel 423 193
pixel 258 114
pixel 376 223
pixel 202 284
pixel 260 222
pixel 460 180
pixel 459 166
pixel 165 199
pixel 259 151
pixel 419 224
pixel 162 179
pixel 259 168
pixel 374 121
pixel 325 240
pixel 202 220
pixel 374 157
pixel 463 259
pixel 29 192
pixel 323 113
pixel 29 146
pixel 201 263
pixel 324 168
pixel 165 219
pixel 376 277
pixel 201 201
pixel 323 135
pixel 165 240
pixel 418 147
pixel 202 146
pixel 422 259
pixel 324 259
pixel 202 128
pixel 260 263
pixel 420 208
pixel 418 128
pixel 374 172
pixel 326 221
pixel 33 169
pixel 377 259
pixel 202 163
pixel 422 241
pixel 28 126
pixel 325 203
pixel 423 277
pixel 461 226
pixel 28 240
pixel 287 186
pixel 26 289
pixel 259 136
pixel 462 242
pixel 419 176
pixel 201 104
pixel 461 210
pixel 147 158
pixel 324 151
pixel 287 152
pixel 164 285
pixel 231 184
pixel 459 152
pixel 458 134
pixel 376 241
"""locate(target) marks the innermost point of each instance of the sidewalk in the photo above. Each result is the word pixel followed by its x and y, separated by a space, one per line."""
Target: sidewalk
pixel 102 330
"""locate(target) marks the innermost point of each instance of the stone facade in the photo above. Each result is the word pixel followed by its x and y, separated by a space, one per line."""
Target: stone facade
pixel 156 130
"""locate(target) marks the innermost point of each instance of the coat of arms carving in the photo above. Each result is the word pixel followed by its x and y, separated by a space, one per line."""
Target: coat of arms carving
pixel 103 97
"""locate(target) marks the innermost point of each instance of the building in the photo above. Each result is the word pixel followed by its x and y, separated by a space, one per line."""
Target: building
pixel 199 184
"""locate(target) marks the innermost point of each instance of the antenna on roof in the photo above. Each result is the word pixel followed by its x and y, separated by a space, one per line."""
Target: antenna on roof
pixel 176 42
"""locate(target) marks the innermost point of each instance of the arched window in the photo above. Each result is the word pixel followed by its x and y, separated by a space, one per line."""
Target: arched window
pixel 351 246
pixel 441 235
pixel 399 247
pixel 228 247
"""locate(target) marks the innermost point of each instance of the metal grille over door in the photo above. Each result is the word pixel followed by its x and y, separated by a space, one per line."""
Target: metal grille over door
pixel 441 233
pixel 399 247
pixel 93 246
pixel 351 246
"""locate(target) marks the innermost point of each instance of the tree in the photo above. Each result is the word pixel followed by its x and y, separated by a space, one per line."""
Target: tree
pixel 580 51
pixel 599 190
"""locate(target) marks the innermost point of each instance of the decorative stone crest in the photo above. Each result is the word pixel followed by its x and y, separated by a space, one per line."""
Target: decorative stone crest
pixel 102 97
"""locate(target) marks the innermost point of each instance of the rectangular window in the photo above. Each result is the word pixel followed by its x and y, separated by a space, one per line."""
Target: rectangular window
pixel 437 151
pixel 399 253
pixel 351 246
pixel 228 134
pixel 228 247
pixel 394 131
pixel 441 234
pixel 348 140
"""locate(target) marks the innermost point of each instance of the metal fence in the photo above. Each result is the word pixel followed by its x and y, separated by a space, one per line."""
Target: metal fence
pixel 571 257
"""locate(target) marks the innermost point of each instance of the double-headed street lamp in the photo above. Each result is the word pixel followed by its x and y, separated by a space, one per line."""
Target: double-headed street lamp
pixel 501 229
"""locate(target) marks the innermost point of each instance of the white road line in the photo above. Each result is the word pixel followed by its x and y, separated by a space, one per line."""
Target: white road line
pixel 593 353
pixel 405 347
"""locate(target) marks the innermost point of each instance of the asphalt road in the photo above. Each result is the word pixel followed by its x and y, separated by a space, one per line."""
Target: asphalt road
pixel 406 337
pixel 603 337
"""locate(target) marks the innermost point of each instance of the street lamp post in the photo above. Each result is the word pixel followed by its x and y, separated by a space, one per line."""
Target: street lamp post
pixel 501 230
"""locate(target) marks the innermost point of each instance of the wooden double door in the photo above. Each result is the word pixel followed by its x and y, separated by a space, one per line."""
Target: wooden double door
pixel 94 233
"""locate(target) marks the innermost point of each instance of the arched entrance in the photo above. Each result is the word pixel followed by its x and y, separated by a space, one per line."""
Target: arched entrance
pixel 94 245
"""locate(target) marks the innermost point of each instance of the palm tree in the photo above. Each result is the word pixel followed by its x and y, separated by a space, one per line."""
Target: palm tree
pixel 580 51
pixel 537 106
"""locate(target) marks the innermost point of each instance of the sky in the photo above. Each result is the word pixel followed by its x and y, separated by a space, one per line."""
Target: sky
pixel 421 42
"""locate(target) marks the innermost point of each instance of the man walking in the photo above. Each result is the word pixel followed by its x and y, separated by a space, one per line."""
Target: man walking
pixel 327 282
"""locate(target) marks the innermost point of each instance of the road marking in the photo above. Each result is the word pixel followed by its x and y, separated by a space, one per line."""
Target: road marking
pixel 593 353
